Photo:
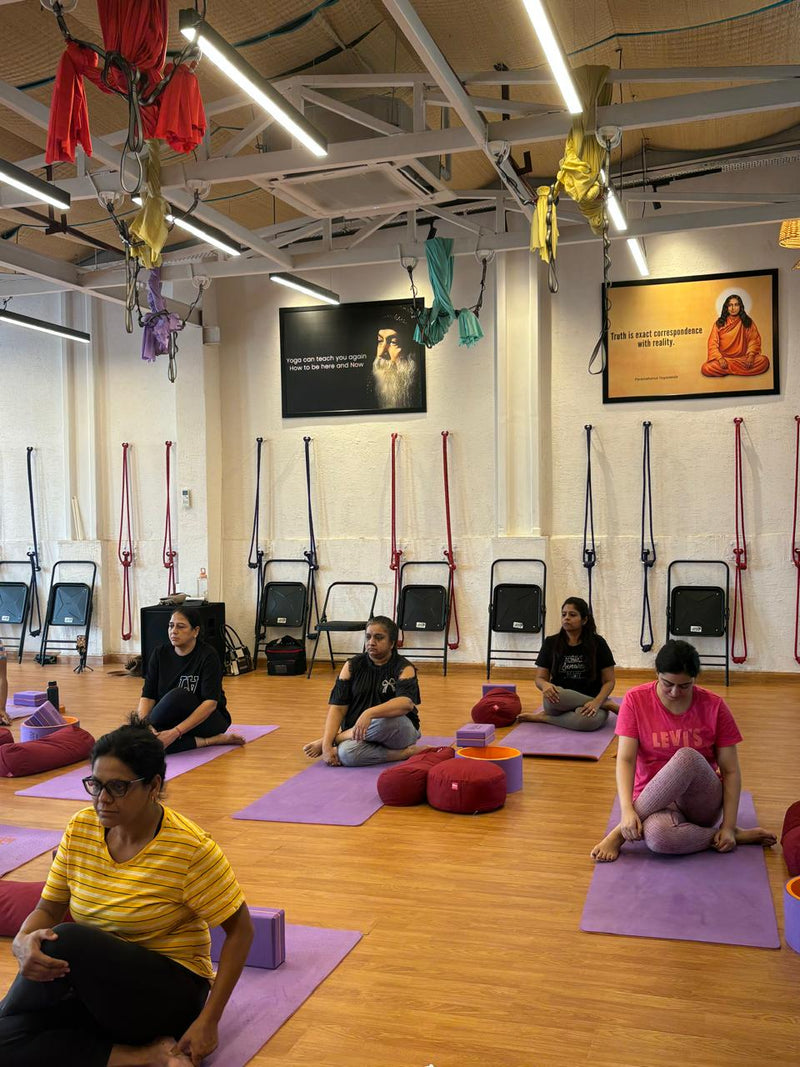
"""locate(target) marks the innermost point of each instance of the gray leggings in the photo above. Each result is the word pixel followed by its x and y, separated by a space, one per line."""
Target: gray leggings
pixel 563 713
pixel 383 734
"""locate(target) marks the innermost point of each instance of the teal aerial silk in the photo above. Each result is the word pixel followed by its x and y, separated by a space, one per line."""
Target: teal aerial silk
pixel 434 322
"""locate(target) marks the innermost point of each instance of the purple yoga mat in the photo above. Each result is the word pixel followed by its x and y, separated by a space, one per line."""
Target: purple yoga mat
pixel 69 786
pixel 263 1000
pixel 17 711
pixel 724 898
pixel 326 796
pixel 542 739
pixel 18 844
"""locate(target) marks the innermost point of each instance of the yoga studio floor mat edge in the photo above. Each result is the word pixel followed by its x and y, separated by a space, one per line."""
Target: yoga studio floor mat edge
pixel 707 896
pixel 21 844
pixel 543 739
pixel 264 1000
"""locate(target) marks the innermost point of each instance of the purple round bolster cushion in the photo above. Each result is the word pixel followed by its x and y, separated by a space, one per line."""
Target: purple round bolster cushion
pixel 58 749
pixel 499 707
pixel 466 787
pixel 17 901
pixel 6 737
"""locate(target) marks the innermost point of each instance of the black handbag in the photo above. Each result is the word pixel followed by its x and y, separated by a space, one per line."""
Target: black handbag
pixel 237 655
pixel 285 656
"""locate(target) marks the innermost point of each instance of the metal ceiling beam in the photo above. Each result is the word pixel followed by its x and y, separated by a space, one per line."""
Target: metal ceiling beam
pixel 207 213
pixel 709 197
pixel 494 104
pixel 240 140
pixel 361 118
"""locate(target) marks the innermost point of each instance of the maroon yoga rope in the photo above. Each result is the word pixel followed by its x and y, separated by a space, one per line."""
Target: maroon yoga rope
pixel 795 540
pixel 167 553
pixel 740 552
pixel 396 553
pixel 448 552
pixel 125 555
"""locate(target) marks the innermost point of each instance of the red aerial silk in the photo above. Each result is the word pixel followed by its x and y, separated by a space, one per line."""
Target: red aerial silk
pixel 138 31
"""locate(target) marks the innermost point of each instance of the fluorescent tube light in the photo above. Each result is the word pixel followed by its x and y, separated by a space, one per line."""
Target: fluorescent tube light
pixel 224 56
pixel 639 258
pixel 13 319
pixel 553 54
pixel 29 183
pixel 293 282
pixel 205 232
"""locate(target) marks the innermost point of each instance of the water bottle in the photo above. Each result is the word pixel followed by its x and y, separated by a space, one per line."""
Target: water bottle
pixel 52 694
pixel 202 585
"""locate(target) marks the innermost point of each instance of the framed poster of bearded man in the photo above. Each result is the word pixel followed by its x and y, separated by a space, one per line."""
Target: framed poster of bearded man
pixel 353 359
pixel 684 338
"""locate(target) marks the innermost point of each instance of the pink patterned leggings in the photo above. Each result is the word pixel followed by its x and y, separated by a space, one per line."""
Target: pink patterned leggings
pixel 680 807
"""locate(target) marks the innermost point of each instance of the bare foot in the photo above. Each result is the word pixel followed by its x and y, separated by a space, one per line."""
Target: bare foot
pixel 220 739
pixel 531 716
pixel 4 719
pixel 609 705
pixel 608 849
pixel 161 1053
pixel 755 836
pixel 313 749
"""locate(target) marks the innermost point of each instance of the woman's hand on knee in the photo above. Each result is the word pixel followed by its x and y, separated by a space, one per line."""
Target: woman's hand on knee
pixel 362 724
pixel 35 964
pixel 589 709
pixel 724 840
pixel 551 693
pixel 630 826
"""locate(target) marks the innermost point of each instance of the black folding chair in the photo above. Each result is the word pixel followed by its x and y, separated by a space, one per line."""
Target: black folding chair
pixel 425 609
pixel 15 602
pixel 69 605
pixel 355 621
pixel 700 611
pixel 285 605
pixel 516 608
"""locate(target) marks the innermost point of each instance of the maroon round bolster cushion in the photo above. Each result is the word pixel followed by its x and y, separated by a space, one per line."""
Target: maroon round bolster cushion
pixel 499 707
pixel 790 839
pixel 466 787
pixel 17 901
pixel 406 783
pixel 6 737
pixel 56 750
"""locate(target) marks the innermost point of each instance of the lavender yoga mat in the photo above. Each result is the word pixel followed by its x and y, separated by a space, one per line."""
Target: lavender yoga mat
pixel 542 739
pixel 724 898
pixel 18 711
pixel 326 796
pixel 18 844
pixel 69 786
pixel 263 1000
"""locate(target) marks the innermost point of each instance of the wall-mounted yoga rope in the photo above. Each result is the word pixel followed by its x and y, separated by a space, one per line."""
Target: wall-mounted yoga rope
pixel 648 550
pixel 168 554
pixel 255 557
pixel 589 549
pixel 740 551
pixel 796 537
pixel 125 546
pixel 396 553
pixel 33 554
pixel 448 552
pixel 311 554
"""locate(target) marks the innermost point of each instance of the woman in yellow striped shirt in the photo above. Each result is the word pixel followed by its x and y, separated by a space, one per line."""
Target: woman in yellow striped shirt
pixel 127 983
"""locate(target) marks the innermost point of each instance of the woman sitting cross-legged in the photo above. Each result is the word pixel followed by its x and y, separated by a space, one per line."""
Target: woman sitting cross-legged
pixel 372 714
pixel 575 672
pixel 182 696
pixel 127 983
pixel 677 767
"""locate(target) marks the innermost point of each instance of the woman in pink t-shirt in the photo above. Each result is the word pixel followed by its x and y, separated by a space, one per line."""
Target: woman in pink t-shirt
pixel 677 767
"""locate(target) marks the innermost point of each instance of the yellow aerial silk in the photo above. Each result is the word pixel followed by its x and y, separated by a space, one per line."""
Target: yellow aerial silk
pixel 150 225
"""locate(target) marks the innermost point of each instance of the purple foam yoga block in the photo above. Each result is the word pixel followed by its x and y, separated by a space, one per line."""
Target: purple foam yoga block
pixel 485 688
pixel 268 950
pixel 791 914
pixel 29 698
pixel 45 715
pixel 481 732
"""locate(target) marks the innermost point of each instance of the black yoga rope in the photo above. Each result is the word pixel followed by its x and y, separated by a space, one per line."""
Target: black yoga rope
pixel 255 558
pixel 589 553
pixel 311 554
pixel 33 555
pixel 648 553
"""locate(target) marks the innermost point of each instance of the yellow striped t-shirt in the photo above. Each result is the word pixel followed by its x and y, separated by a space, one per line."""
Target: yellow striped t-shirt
pixel 164 898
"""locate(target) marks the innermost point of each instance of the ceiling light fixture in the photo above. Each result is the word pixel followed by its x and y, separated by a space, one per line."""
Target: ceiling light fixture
pixel 317 291
pixel 553 54
pixel 224 56
pixel 36 187
pixel 13 319
pixel 207 233
pixel 614 206
pixel 639 258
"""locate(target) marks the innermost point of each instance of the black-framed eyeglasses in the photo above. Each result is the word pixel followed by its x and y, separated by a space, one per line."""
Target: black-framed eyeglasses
pixel 116 787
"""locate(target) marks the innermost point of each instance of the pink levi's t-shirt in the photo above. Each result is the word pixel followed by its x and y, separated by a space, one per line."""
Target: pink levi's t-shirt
pixel 707 725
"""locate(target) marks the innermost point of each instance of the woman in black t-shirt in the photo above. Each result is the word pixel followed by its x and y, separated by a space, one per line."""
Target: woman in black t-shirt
pixel 372 714
pixel 575 672
pixel 182 696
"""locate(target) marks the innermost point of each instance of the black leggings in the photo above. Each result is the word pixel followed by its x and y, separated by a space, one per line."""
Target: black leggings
pixel 178 704
pixel 116 993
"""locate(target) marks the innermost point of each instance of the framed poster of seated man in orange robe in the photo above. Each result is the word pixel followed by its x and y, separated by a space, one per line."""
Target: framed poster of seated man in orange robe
pixel 683 338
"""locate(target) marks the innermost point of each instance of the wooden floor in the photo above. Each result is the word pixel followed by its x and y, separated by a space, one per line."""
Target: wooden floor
pixel 471 955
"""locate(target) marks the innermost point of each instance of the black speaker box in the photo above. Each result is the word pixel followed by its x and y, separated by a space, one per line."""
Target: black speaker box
pixel 283 604
pixel 698 611
pixel 517 609
pixel 13 602
pixel 422 607
pixel 70 602
pixel 154 622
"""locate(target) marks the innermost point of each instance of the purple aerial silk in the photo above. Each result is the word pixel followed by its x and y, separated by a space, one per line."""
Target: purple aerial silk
pixel 159 323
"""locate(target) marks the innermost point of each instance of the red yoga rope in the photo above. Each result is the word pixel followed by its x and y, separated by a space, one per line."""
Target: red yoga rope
pixel 740 552
pixel 396 553
pixel 125 555
pixel 795 544
pixel 448 552
pixel 167 553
